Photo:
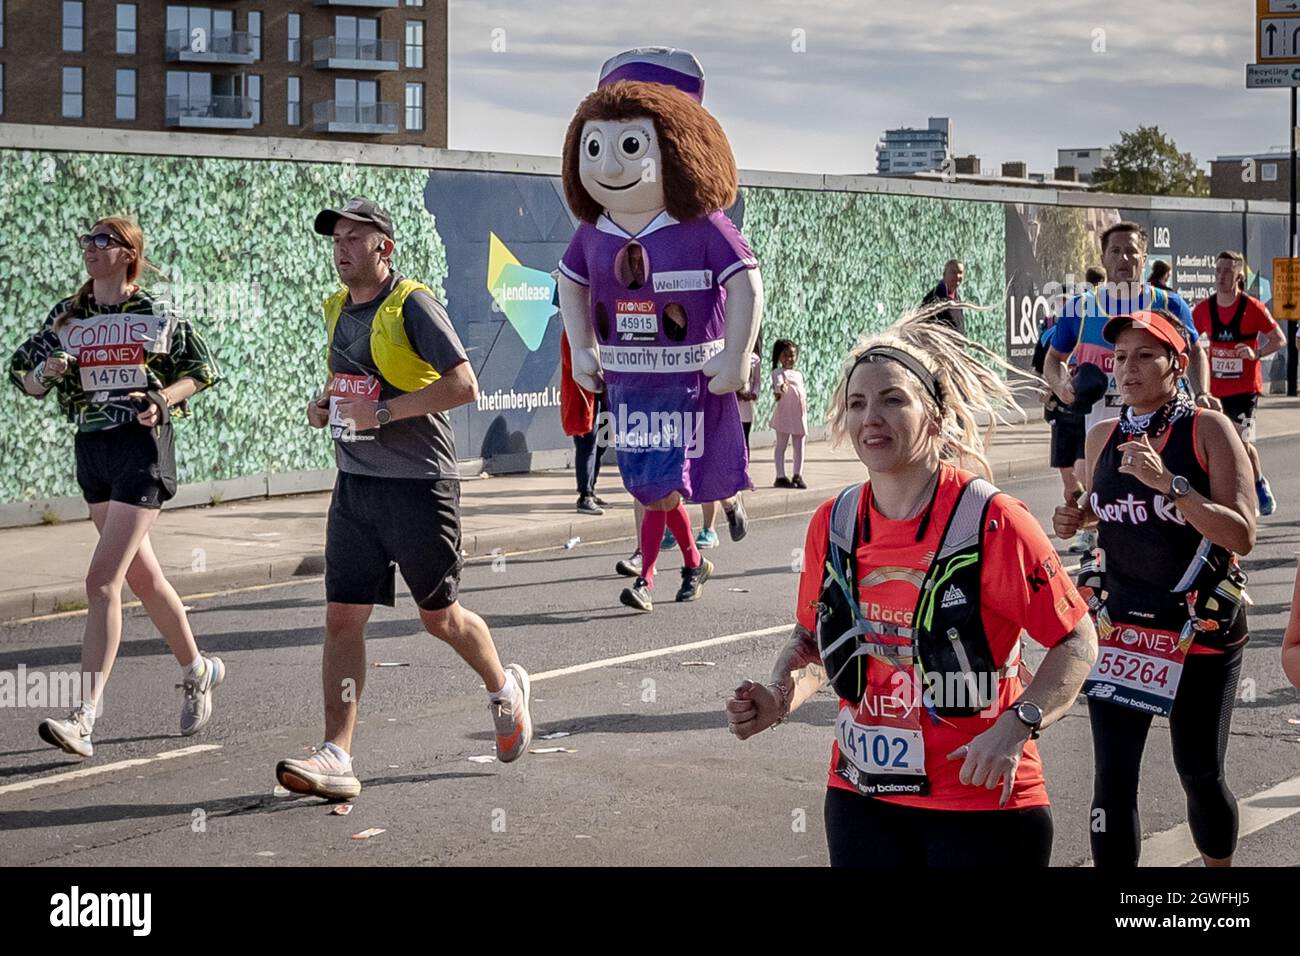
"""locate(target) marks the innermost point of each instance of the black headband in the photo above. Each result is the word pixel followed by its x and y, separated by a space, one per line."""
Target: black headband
pixel 904 359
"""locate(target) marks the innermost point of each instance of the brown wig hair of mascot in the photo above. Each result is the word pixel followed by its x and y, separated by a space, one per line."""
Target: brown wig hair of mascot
pixel 699 170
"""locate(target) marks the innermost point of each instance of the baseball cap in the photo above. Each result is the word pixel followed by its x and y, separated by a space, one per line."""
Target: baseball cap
pixel 358 209
pixel 1152 322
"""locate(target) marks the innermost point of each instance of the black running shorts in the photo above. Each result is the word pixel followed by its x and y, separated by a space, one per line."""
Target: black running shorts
pixel 130 463
pixel 377 525
pixel 1068 442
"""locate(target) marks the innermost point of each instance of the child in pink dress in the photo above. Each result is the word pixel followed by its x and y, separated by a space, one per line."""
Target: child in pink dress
pixel 790 417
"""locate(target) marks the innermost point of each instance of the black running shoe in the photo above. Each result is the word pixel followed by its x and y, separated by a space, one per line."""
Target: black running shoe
pixel 782 482
pixel 798 481
pixel 693 580
pixel 600 501
pixel 737 520
pixel 637 596
pixel 587 506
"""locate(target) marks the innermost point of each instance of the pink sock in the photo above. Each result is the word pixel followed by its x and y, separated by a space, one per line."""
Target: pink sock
pixel 652 535
pixel 679 523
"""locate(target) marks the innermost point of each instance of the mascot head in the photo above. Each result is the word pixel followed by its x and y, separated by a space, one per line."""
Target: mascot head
pixel 643 141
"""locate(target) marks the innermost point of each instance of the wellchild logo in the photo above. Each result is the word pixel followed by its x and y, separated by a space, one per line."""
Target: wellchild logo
pixel 651 431
pixel 103 909
pixel 64 690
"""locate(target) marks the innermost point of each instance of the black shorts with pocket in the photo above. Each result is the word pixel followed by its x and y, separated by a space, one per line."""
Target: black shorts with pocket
pixel 378 524
pixel 1068 441
pixel 129 463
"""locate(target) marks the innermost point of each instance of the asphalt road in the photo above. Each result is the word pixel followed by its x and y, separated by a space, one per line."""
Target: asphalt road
pixel 653 776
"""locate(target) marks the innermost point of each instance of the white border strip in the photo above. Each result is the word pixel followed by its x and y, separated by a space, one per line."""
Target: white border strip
pixel 661 652
pixel 106 768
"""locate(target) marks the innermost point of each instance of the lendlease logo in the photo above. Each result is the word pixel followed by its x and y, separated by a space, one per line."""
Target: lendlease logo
pixel 75 908
pixel 523 294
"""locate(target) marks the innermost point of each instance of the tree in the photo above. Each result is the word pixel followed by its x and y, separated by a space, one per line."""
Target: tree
pixel 1147 162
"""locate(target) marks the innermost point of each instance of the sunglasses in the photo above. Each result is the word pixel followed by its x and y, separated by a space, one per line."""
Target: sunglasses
pixel 101 241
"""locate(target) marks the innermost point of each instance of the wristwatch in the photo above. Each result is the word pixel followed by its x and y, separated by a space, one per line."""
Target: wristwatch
pixel 1179 487
pixel 1031 715
pixel 382 414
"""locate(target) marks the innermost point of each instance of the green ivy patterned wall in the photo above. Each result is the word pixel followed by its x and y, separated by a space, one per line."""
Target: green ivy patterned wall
pixel 235 238
pixel 836 265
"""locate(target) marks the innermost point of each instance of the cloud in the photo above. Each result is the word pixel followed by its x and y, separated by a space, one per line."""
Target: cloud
pixel 1019 78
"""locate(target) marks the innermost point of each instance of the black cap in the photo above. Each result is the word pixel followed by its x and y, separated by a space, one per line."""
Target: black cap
pixel 357 209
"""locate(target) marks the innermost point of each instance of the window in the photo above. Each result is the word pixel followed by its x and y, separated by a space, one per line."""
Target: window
pixel 255 34
pixel 295 37
pixel 295 101
pixel 2 24
pixel 415 3
pixel 354 100
pixel 126 28
pixel 253 90
pixel 2 89
pixel 356 38
pixel 126 94
pixel 73 101
pixel 74 27
pixel 415 106
pixel 201 29
pixel 415 44
pixel 1268 172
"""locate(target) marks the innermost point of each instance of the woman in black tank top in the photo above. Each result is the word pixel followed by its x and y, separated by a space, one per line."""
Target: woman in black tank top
pixel 1170 492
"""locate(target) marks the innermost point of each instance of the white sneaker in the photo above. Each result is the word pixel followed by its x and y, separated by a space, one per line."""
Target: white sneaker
pixel 71 734
pixel 321 775
pixel 512 721
pixel 196 708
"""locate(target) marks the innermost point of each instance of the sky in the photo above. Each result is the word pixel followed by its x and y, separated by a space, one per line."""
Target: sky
pixel 810 87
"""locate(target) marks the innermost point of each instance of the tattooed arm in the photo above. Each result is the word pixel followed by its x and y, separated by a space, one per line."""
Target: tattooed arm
pixel 797 675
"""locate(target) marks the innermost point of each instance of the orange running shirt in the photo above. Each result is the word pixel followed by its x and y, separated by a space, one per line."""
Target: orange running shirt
pixel 1023 586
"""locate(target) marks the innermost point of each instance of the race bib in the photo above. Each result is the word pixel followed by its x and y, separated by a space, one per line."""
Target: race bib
pixel 636 320
pixel 1137 666
pixel 1225 362
pixel 882 748
pixel 349 386
pixel 110 349
pixel 115 368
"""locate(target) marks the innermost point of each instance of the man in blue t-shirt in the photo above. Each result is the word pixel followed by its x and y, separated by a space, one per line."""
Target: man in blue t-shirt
pixel 1078 331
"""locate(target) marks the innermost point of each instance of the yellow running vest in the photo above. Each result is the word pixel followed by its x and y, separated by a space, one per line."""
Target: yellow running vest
pixel 399 364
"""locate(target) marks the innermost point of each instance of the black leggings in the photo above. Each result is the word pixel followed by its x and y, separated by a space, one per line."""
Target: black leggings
pixel 1198 729
pixel 866 832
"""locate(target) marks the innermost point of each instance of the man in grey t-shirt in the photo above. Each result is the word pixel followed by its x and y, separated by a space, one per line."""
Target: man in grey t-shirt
pixel 396 368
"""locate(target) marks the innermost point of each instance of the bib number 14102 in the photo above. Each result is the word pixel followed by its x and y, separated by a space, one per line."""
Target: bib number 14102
pixel 882 749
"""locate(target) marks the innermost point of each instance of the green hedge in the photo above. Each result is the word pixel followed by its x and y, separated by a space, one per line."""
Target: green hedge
pixel 235 238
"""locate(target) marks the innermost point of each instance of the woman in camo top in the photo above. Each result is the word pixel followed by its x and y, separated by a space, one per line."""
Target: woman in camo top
pixel 120 361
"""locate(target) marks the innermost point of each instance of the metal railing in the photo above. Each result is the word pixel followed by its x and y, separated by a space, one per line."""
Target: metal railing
pixel 209 42
pixel 211 107
pixel 374 115
pixel 367 51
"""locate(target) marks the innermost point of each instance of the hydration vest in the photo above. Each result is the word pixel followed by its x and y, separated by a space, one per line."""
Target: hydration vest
pixel 399 364
pixel 947 643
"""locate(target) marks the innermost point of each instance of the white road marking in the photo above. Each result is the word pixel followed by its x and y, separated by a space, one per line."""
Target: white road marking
pixel 1174 847
pixel 106 768
pixel 661 652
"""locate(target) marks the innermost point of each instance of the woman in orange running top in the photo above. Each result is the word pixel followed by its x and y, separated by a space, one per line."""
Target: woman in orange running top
pixel 933 762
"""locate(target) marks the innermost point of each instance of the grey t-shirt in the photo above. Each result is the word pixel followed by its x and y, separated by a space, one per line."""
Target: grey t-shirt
pixel 420 447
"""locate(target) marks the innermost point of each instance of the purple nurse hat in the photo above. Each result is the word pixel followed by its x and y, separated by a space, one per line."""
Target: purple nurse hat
pixel 656 64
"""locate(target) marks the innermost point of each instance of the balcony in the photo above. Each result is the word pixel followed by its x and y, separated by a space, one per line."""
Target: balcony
pixel 332 53
pixel 213 112
pixel 358 3
pixel 332 116
pixel 224 47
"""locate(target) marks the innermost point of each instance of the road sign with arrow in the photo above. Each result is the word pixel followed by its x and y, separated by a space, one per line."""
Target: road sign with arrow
pixel 1277 31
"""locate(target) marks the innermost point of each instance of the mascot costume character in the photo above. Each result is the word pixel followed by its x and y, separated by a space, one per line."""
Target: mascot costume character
pixel 660 296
